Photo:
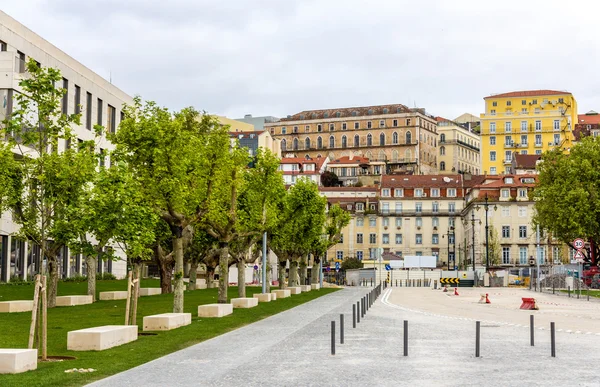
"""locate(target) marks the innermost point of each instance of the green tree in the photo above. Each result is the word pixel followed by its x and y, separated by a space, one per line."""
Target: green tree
pixel 335 221
pixel 330 179
pixel 176 158
pixel 352 263
pixel 201 247
pixel 47 185
pixel 495 250
pixel 567 195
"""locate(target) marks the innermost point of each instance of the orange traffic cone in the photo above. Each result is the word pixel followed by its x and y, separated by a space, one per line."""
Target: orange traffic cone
pixel 456 291
pixel 487 299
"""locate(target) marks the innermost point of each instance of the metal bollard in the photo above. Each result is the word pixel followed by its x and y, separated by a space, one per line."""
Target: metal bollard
pixel 357 312
pixel 552 288
pixel 477 332
pixel 552 340
pixel 341 328
pixel 353 316
pixel 531 330
pixel 333 337
pixel 569 290
pixel 405 337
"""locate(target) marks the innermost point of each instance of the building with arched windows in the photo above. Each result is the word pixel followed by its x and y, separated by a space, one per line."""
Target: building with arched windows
pixel 395 138
pixel 459 148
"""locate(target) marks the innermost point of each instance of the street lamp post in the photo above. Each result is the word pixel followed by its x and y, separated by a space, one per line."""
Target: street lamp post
pixel 487 234
pixel 473 236
pixel 451 232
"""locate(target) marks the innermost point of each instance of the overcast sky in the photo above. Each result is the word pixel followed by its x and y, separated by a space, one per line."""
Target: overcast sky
pixel 279 57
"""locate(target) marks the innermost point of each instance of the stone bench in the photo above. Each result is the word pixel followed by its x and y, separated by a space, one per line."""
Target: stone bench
pixel 263 297
pixel 282 293
pixel 215 310
pixel 244 302
pixel 166 321
pixel 273 296
pixel 118 295
pixel 73 300
pixel 16 306
pixel 150 291
pixel 295 289
pixel 315 286
pixel 15 361
pixel 305 288
pixel 101 338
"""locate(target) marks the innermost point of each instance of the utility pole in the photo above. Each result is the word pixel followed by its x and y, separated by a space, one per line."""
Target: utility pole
pixel 473 229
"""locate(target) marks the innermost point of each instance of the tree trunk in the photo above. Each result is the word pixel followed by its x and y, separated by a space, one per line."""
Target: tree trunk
pixel 53 281
pixel 314 273
pixel 241 266
pixel 90 263
pixel 210 276
pixel 303 270
pixel 137 274
pixel 293 277
pixel 179 287
pixel 223 272
pixel 193 274
pixel 281 268
pixel 268 287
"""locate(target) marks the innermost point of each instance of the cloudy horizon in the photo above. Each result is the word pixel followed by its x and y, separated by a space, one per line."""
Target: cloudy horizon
pixel 272 57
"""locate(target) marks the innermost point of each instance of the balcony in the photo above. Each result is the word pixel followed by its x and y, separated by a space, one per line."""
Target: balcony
pixel 414 213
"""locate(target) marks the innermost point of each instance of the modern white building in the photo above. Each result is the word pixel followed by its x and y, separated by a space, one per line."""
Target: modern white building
pixel 97 99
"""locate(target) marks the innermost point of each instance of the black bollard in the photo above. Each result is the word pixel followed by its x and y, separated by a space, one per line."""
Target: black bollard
pixel 353 316
pixel 477 332
pixel 405 337
pixel 531 330
pixel 341 328
pixel 357 311
pixel 333 337
pixel 569 290
pixel 552 340
pixel 552 288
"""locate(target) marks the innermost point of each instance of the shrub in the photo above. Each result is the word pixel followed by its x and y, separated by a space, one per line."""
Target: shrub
pixel 76 278
pixel 106 276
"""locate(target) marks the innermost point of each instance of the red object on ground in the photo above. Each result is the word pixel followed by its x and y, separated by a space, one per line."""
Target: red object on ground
pixel 528 304
pixel 445 289
pixel 456 291
pixel 487 300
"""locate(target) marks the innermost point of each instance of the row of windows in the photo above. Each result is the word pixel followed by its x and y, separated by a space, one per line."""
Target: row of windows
pixel 344 126
pixel 533 102
pixel 466 154
pixel 385 239
pixel 435 222
pixel 462 139
pixel 418 192
pixel 344 142
pixel 525 126
pixel 506 231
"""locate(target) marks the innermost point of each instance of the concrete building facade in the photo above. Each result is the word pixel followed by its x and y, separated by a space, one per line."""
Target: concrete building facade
pixel 459 148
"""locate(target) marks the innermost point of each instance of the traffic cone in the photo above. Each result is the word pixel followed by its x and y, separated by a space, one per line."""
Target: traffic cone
pixel 456 291
pixel 445 289
pixel 487 299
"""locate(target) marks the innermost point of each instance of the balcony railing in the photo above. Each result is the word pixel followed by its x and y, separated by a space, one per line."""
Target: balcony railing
pixel 414 213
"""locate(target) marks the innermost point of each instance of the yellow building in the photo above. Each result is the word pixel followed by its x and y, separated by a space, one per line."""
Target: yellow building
pixel 528 122
pixel 235 125
pixel 459 148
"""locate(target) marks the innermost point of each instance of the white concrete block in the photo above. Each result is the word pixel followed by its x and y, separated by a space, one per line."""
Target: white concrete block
pixel 73 300
pixel 244 302
pixel 215 310
pixel 150 291
pixel 295 289
pixel 266 297
pixel 15 361
pixel 282 293
pixel 166 321
pixel 315 286
pixel 118 295
pixel 273 296
pixel 16 306
pixel 305 288
pixel 101 338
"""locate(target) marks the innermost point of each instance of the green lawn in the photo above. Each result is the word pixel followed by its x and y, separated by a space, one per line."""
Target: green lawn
pixel 14 329
pixel 574 292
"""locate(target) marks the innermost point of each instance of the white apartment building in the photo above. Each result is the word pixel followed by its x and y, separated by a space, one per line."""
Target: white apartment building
pixel 99 102
pixel 294 168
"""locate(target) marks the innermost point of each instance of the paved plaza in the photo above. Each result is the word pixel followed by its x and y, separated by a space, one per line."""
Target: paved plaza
pixel 293 347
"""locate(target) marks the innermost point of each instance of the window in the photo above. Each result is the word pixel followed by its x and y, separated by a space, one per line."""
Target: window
pixel 398 222
pixel 556 125
pixel 534 101
pixel 419 239
pixel 395 123
pixel 505 193
pixel 451 220
pixel 492 170
pixel 505 211
pixel 442 165
pixel 538 140
pixel 451 192
pixel 77 107
pixel 508 140
pixel 369 139
pixel 435 239
pixel 331 127
pixel 65 97
pixel 524 139
pixel 493 112
pixel 522 231
pixel 418 207
pixel 435 192
pixel 385 239
pixel 339 255
pixel 492 140
pixel 319 128
pixel 418 192
pixel 360 221
pixel 508 103
pixel 341 238
pixel 307 128
pixel 492 155
pixel 319 143
pixel 506 255
pixel 88 112
pixel 523 126
pixel 369 124
pixel 395 138
pixel 386 220
pixel 3 46
pixel 435 207
pixel 359 255
pixel 295 130
pixel 505 231
pixel 398 239
pixel 494 103
pixel 372 222
pixel 398 208
pixel 398 192
pixel 435 222
pixel 385 192
pixel 538 126
pixel 344 142
pixel 522 212
pixel 523 102
pixel 538 151
pixel 556 139
pixel 331 142
pixel 382 123
pixel 356 125
pixel 419 222
pixel 372 238
pixel 408 138
pixel 99 116
pixel 442 151
pixel 492 127
pixel 508 127
pixel 382 139
pixel 522 255
pixel 508 156
pixel 21 61
pixel 344 126
pixel 112 118
pixel 522 192
pixel 524 111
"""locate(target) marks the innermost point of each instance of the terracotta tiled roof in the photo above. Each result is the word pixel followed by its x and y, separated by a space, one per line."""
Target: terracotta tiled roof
pixel 318 161
pixel 391 257
pixel 346 160
pixel 589 118
pixel 348 112
pixel 526 161
pixel 500 183
pixel 528 93
pixel 421 181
